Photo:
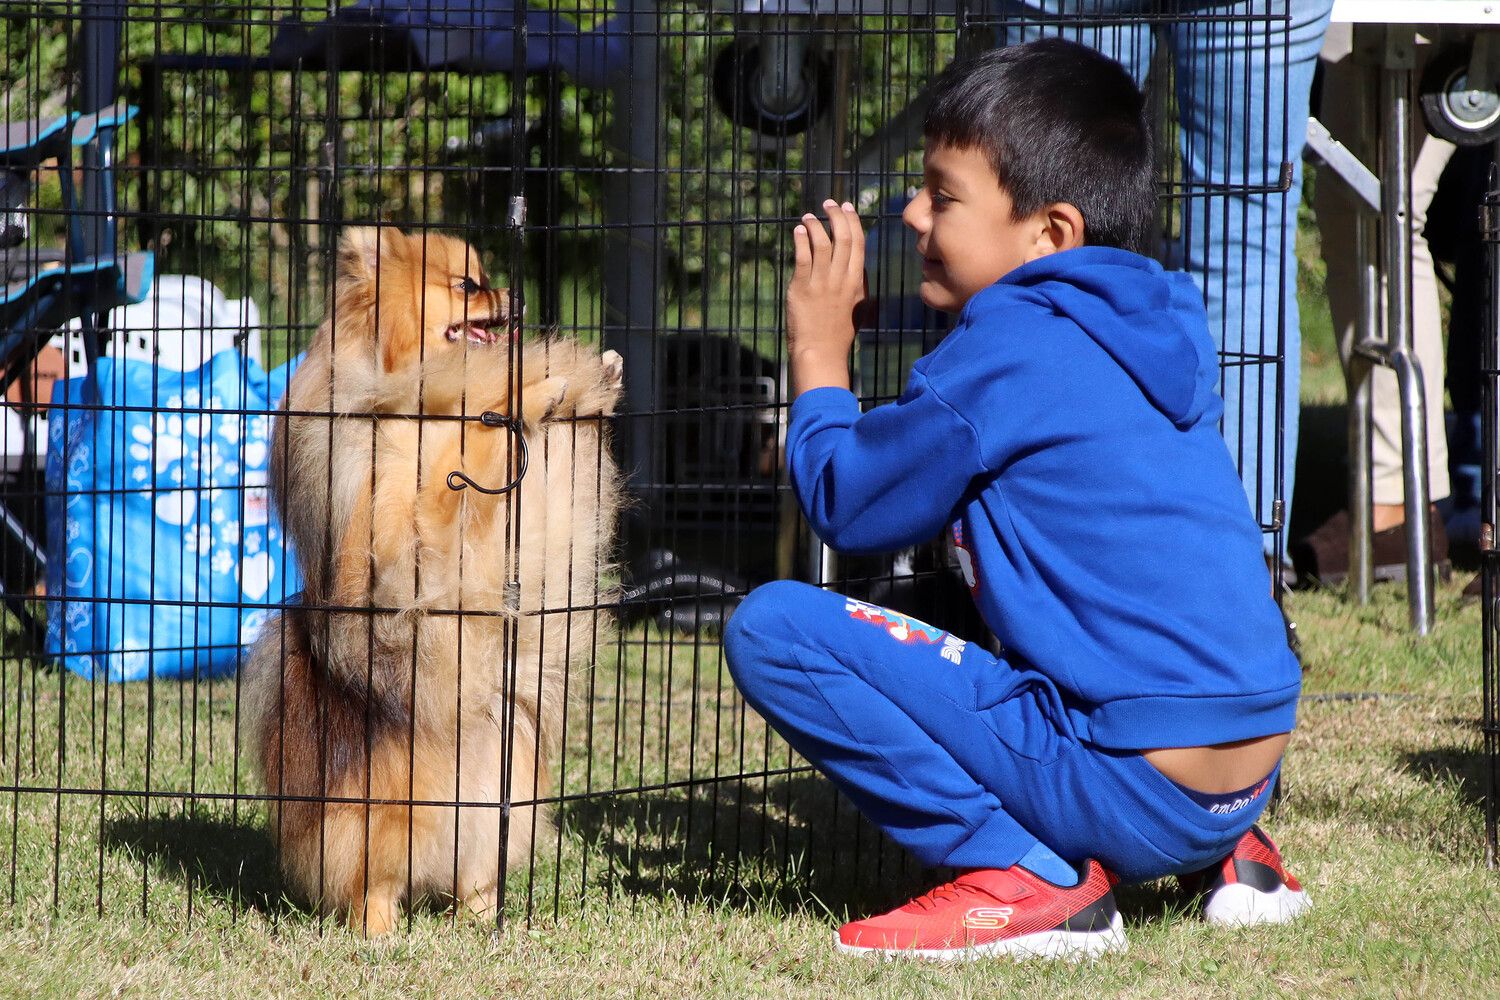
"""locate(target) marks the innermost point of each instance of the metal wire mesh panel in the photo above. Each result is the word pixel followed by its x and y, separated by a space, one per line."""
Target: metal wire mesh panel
pixel 1489 567
pixel 415 422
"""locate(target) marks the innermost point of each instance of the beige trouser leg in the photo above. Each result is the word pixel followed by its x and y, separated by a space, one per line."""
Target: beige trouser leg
pixel 1345 84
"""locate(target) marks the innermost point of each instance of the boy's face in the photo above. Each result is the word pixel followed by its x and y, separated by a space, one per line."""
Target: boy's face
pixel 965 232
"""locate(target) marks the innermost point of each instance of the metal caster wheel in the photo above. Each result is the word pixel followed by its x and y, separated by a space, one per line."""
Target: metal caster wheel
pixel 776 85
pixel 1463 112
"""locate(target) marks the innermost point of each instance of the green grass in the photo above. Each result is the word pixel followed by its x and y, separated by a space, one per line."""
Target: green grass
pixel 661 893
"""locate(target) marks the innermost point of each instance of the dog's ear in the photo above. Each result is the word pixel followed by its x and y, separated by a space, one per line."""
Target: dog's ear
pixel 374 268
pixel 403 261
pixel 359 253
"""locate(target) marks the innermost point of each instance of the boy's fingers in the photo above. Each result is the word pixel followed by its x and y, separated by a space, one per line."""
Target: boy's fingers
pixel 817 236
pixel 840 229
pixel 801 252
pixel 856 241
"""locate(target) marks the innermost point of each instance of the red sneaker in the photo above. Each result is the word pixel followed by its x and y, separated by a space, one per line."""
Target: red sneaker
pixel 996 912
pixel 1251 886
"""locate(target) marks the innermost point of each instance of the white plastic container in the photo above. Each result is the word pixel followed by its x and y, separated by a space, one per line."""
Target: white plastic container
pixel 184 321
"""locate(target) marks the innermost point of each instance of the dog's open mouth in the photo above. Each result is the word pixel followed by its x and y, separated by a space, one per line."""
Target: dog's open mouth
pixel 491 332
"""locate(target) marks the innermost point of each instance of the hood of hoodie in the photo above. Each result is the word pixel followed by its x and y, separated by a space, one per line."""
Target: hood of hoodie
pixel 1149 320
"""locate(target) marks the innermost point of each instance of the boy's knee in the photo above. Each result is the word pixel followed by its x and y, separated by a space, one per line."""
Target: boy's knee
pixel 759 628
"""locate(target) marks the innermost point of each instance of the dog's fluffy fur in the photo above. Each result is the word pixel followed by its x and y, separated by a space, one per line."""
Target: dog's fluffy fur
pixel 412 703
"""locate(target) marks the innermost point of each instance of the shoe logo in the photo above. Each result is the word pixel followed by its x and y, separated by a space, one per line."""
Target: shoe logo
pixel 988 918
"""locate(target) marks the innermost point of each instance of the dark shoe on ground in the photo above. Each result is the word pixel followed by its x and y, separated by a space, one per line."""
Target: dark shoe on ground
pixel 1288 576
pixel 996 912
pixel 1464 525
pixel 1323 556
pixel 1251 886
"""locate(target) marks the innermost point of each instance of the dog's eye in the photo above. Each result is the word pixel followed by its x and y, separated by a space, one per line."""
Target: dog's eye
pixel 468 285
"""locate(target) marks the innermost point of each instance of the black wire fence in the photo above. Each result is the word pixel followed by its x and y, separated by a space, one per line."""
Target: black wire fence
pixel 444 623
pixel 1489 566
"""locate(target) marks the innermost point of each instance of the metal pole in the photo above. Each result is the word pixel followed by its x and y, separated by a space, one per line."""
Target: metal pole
pixel 1361 550
pixel 1361 370
pixel 1395 86
pixel 632 266
pixel 99 37
pixel 825 179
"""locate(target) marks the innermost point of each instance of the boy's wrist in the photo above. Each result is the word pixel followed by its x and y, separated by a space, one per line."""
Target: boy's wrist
pixel 818 368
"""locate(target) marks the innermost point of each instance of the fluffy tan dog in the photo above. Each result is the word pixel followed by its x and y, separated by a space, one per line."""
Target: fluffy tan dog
pixel 424 665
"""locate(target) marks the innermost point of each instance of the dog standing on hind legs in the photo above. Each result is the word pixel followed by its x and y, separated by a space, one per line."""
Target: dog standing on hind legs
pixel 386 699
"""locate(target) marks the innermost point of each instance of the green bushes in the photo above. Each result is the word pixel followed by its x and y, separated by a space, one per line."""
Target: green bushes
pixel 240 175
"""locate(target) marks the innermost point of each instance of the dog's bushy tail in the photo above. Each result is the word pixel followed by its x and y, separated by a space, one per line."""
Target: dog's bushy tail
pixel 311 739
pixel 311 731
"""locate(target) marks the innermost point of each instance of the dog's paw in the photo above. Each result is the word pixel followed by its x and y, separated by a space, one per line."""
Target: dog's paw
pixel 543 401
pixel 377 918
pixel 483 903
pixel 614 370
pixel 600 391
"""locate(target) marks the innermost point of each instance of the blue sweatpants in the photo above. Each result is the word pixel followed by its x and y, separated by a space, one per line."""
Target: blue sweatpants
pixel 963 759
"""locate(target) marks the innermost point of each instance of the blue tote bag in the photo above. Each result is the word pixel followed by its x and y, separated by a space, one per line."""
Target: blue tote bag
pixel 164 555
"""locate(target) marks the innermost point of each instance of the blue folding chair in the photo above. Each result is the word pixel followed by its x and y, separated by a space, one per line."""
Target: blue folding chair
pixel 43 290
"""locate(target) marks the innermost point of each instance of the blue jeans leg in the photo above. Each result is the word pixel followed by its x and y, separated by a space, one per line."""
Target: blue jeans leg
pixel 1243 82
pixel 1243 74
pixel 1087 22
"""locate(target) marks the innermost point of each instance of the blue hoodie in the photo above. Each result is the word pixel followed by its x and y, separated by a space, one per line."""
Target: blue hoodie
pixel 1066 430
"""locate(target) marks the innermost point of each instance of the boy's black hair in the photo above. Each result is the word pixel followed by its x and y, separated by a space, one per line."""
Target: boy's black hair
pixel 1058 121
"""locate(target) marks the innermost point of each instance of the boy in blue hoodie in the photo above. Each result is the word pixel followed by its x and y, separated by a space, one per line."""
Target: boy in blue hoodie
pixel 1065 431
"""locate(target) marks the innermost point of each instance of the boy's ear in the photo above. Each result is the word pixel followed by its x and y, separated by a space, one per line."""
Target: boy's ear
pixel 1062 229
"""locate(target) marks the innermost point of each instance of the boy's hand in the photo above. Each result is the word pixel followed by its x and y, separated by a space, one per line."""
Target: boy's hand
pixel 829 281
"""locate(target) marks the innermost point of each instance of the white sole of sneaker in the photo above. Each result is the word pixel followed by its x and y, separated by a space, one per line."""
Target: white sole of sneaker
pixel 1240 905
pixel 1073 945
